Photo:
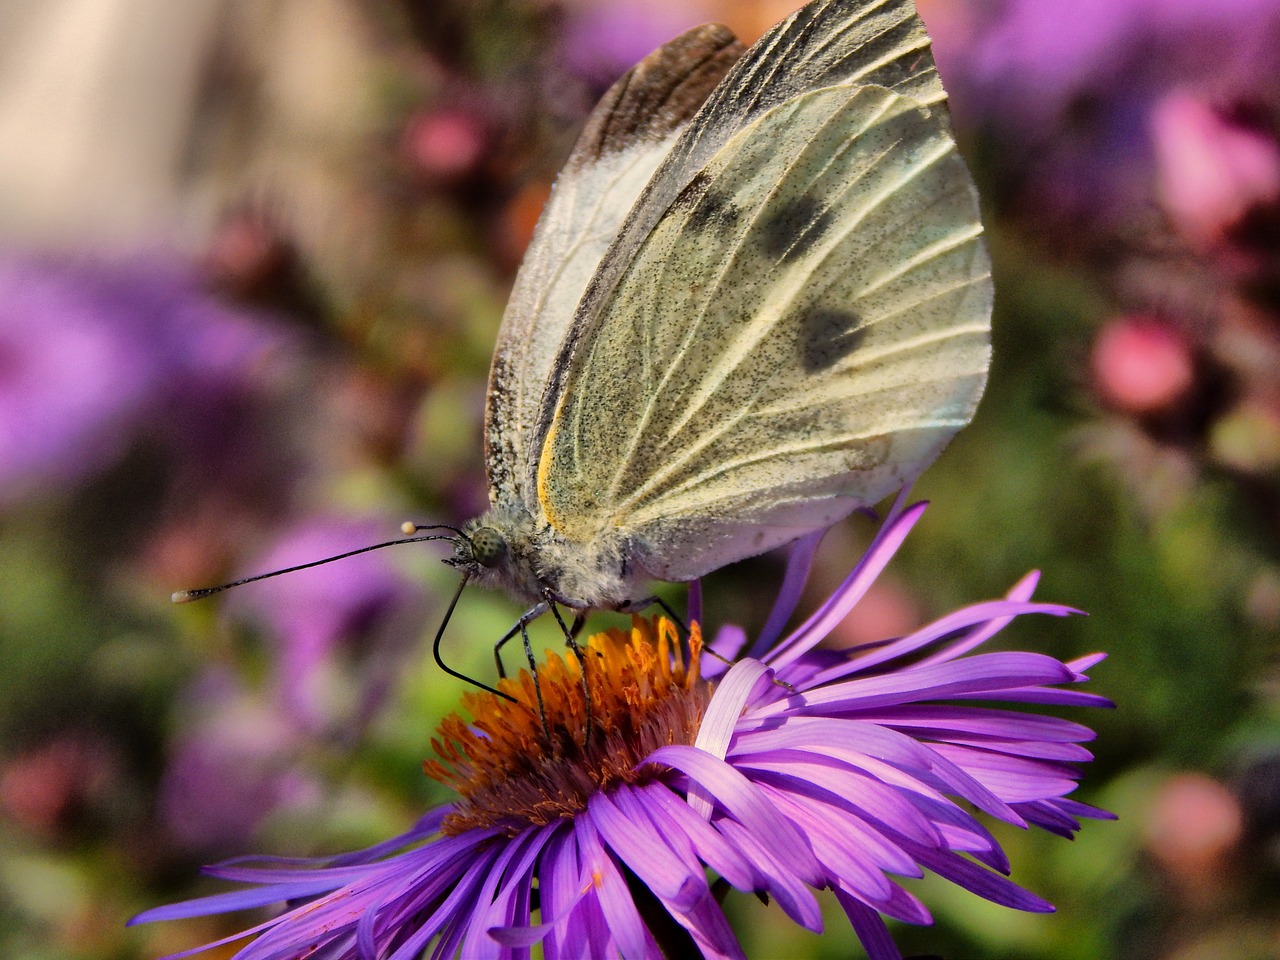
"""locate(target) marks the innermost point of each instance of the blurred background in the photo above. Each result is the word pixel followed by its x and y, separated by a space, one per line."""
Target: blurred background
pixel 253 254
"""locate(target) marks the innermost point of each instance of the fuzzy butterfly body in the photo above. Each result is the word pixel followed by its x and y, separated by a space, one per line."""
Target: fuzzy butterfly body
pixel 757 300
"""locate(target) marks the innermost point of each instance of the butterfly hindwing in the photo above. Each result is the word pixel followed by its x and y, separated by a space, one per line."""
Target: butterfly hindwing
pixel 801 331
pixel 628 134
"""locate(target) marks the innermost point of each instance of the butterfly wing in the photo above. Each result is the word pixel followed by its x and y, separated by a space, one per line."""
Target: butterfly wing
pixel 803 326
pixel 628 134
pixel 879 42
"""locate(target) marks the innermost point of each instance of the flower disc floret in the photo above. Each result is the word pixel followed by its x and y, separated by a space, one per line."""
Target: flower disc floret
pixel 644 695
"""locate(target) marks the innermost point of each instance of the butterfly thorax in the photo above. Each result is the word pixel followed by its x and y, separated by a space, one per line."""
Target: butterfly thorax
pixel 509 550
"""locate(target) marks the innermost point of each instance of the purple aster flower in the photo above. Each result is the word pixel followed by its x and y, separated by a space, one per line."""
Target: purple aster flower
pixel 794 770
pixel 95 353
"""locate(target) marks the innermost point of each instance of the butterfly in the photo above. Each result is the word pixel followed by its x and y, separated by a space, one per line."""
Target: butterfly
pixel 757 299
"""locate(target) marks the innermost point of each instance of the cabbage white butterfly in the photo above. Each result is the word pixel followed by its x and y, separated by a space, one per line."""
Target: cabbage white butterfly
pixel 757 299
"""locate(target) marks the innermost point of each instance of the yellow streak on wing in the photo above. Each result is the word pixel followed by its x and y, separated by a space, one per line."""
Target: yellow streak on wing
pixel 544 472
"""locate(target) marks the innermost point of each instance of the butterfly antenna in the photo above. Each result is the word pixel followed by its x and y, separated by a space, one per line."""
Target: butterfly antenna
pixel 186 596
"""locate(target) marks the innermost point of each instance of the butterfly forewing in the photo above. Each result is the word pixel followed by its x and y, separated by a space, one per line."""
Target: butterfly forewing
pixel 827 42
pixel 628 134
pixel 801 333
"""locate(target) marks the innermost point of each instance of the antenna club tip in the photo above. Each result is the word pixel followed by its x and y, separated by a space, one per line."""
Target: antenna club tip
pixel 408 528
pixel 181 596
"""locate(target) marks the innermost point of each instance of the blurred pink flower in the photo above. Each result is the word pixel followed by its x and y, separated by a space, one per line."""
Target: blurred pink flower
pixel 1193 830
pixel 445 144
pixel 1142 364
pixel 1210 171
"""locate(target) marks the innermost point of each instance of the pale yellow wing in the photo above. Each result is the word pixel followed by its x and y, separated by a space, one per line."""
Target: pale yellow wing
pixel 628 135
pixel 801 332
pixel 825 43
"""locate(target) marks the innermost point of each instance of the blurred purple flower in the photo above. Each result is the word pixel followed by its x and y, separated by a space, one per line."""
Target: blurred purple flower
pixel 604 40
pixel 362 607
pixel 79 362
pixel 232 768
pixel 94 352
pixel 1067 93
pixel 803 769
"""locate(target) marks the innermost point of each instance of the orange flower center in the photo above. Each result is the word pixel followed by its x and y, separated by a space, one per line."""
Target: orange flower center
pixel 643 696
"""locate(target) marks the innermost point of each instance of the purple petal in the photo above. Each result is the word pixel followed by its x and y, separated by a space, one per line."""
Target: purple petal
pixel 864 744
pixel 737 795
pixel 799 563
pixel 872 842
pixel 615 900
pixel 847 595
pixel 1087 662
pixel 838 853
pixel 716 729
pixel 1044 815
pixel 645 853
pixel 988 885
pixel 1020 591
pixel 694 908
pixel 870 929
pixel 511 868
pixel 983 674
pixel 560 886
pixel 728 643
pixel 789 890
pixel 711 931
pixel 231 902
pixel 1043 696
pixel 677 821
pixel 447 915
pixel 934 721
pixel 1078 809
pixel 726 706
pixel 860 793
pixel 998 611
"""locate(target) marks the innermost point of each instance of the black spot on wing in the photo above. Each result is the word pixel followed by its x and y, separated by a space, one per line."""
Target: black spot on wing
pixel 792 231
pixel 708 208
pixel 828 336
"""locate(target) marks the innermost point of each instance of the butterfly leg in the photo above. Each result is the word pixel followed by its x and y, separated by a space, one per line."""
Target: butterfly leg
pixel 439 658
pixel 681 627
pixel 571 640
pixel 533 671
pixel 530 615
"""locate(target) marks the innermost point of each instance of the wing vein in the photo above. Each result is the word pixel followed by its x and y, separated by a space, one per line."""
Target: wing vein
pixel 708 437
pixel 755 331
pixel 625 461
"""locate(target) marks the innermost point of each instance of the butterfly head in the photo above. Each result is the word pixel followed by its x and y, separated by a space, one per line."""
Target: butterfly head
pixel 495 550
pixel 486 547
pixel 508 550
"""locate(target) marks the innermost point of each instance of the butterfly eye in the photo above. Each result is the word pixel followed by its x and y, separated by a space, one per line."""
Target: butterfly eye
pixel 488 546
